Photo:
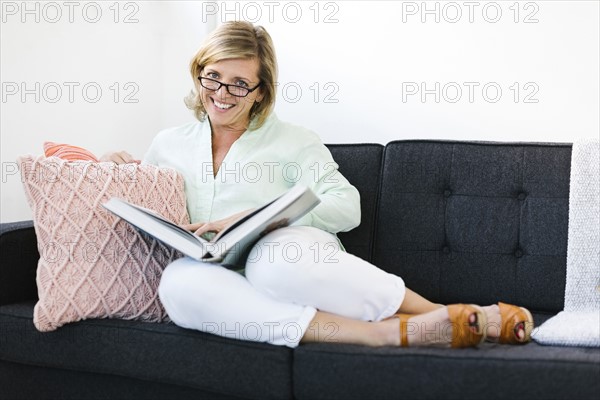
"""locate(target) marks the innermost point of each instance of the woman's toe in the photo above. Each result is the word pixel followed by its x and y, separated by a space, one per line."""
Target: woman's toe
pixel 520 332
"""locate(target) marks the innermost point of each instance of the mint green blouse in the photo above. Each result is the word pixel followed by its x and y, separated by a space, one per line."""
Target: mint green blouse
pixel 260 165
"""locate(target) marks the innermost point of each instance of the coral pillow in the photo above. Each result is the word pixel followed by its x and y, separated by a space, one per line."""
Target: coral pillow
pixel 93 264
pixel 68 152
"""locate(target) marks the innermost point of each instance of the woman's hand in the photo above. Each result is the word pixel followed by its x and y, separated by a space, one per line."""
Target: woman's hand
pixel 200 228
pixel 119 157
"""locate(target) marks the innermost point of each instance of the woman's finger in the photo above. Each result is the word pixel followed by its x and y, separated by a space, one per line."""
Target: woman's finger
pixel 126 157
pixel 192 227
pixel 108 157
pixel 119 157
pixel 210 227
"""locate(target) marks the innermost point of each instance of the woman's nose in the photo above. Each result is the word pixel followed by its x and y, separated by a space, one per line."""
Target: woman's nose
pixel 222 92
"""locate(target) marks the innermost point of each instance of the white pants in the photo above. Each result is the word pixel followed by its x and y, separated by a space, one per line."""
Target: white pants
pixel 290 273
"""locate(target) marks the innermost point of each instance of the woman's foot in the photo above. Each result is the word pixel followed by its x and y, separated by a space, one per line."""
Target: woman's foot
pixel 458 325
pixel 508 324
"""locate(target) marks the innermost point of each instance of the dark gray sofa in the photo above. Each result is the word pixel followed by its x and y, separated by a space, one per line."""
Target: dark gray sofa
pixel 459 221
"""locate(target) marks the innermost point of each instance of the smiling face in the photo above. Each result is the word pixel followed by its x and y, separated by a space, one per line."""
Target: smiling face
pixel 224 110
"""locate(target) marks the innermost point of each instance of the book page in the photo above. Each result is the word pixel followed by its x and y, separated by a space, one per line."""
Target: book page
pixel 177 228
pixel 239 222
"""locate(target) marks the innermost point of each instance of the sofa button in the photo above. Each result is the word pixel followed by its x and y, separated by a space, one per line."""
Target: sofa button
pixel 446 250
pixel 518 253
pixel 522 196
pixel 447 193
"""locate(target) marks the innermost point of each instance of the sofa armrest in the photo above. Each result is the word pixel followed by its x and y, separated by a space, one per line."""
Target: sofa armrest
pixel 18 262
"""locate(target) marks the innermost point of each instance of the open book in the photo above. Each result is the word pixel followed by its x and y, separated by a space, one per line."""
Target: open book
pixel 230 246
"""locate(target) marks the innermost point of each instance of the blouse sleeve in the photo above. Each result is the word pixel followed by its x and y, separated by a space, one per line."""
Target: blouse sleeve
pixel 150 156
pixel 339 209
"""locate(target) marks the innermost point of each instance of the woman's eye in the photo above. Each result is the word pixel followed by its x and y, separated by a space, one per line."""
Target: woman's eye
pixel 212 75
pixel 242 83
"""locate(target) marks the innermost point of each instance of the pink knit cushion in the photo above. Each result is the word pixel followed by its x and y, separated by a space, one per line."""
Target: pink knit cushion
pixel 68 152
pixel 93 264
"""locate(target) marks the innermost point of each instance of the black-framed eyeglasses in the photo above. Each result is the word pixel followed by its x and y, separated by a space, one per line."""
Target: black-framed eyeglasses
pixel 234 90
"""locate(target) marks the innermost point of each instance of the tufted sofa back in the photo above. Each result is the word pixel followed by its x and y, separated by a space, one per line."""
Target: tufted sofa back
pixel 474 222
pixel 361 165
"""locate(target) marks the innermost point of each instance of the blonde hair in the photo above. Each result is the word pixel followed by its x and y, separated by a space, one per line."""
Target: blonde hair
pixel 237 39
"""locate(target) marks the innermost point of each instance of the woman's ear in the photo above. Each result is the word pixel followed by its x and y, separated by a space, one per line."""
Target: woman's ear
pixel 259 96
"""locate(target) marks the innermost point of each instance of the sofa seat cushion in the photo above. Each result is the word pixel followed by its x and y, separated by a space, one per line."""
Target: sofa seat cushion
pixel 339 371
pixel 162 353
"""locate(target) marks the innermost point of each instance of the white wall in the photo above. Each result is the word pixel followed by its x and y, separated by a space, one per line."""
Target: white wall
pixel 371 55
pixel 146 52
pixel 354 62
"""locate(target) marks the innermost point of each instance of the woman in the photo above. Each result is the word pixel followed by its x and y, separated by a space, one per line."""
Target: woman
pixel 237 157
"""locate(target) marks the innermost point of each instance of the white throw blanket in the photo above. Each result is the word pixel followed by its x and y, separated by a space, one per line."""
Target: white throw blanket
pixel 579 323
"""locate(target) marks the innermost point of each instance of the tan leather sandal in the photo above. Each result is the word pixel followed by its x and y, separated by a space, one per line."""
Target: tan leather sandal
pixel 514 319
pixel 463 332
pixel 404 328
